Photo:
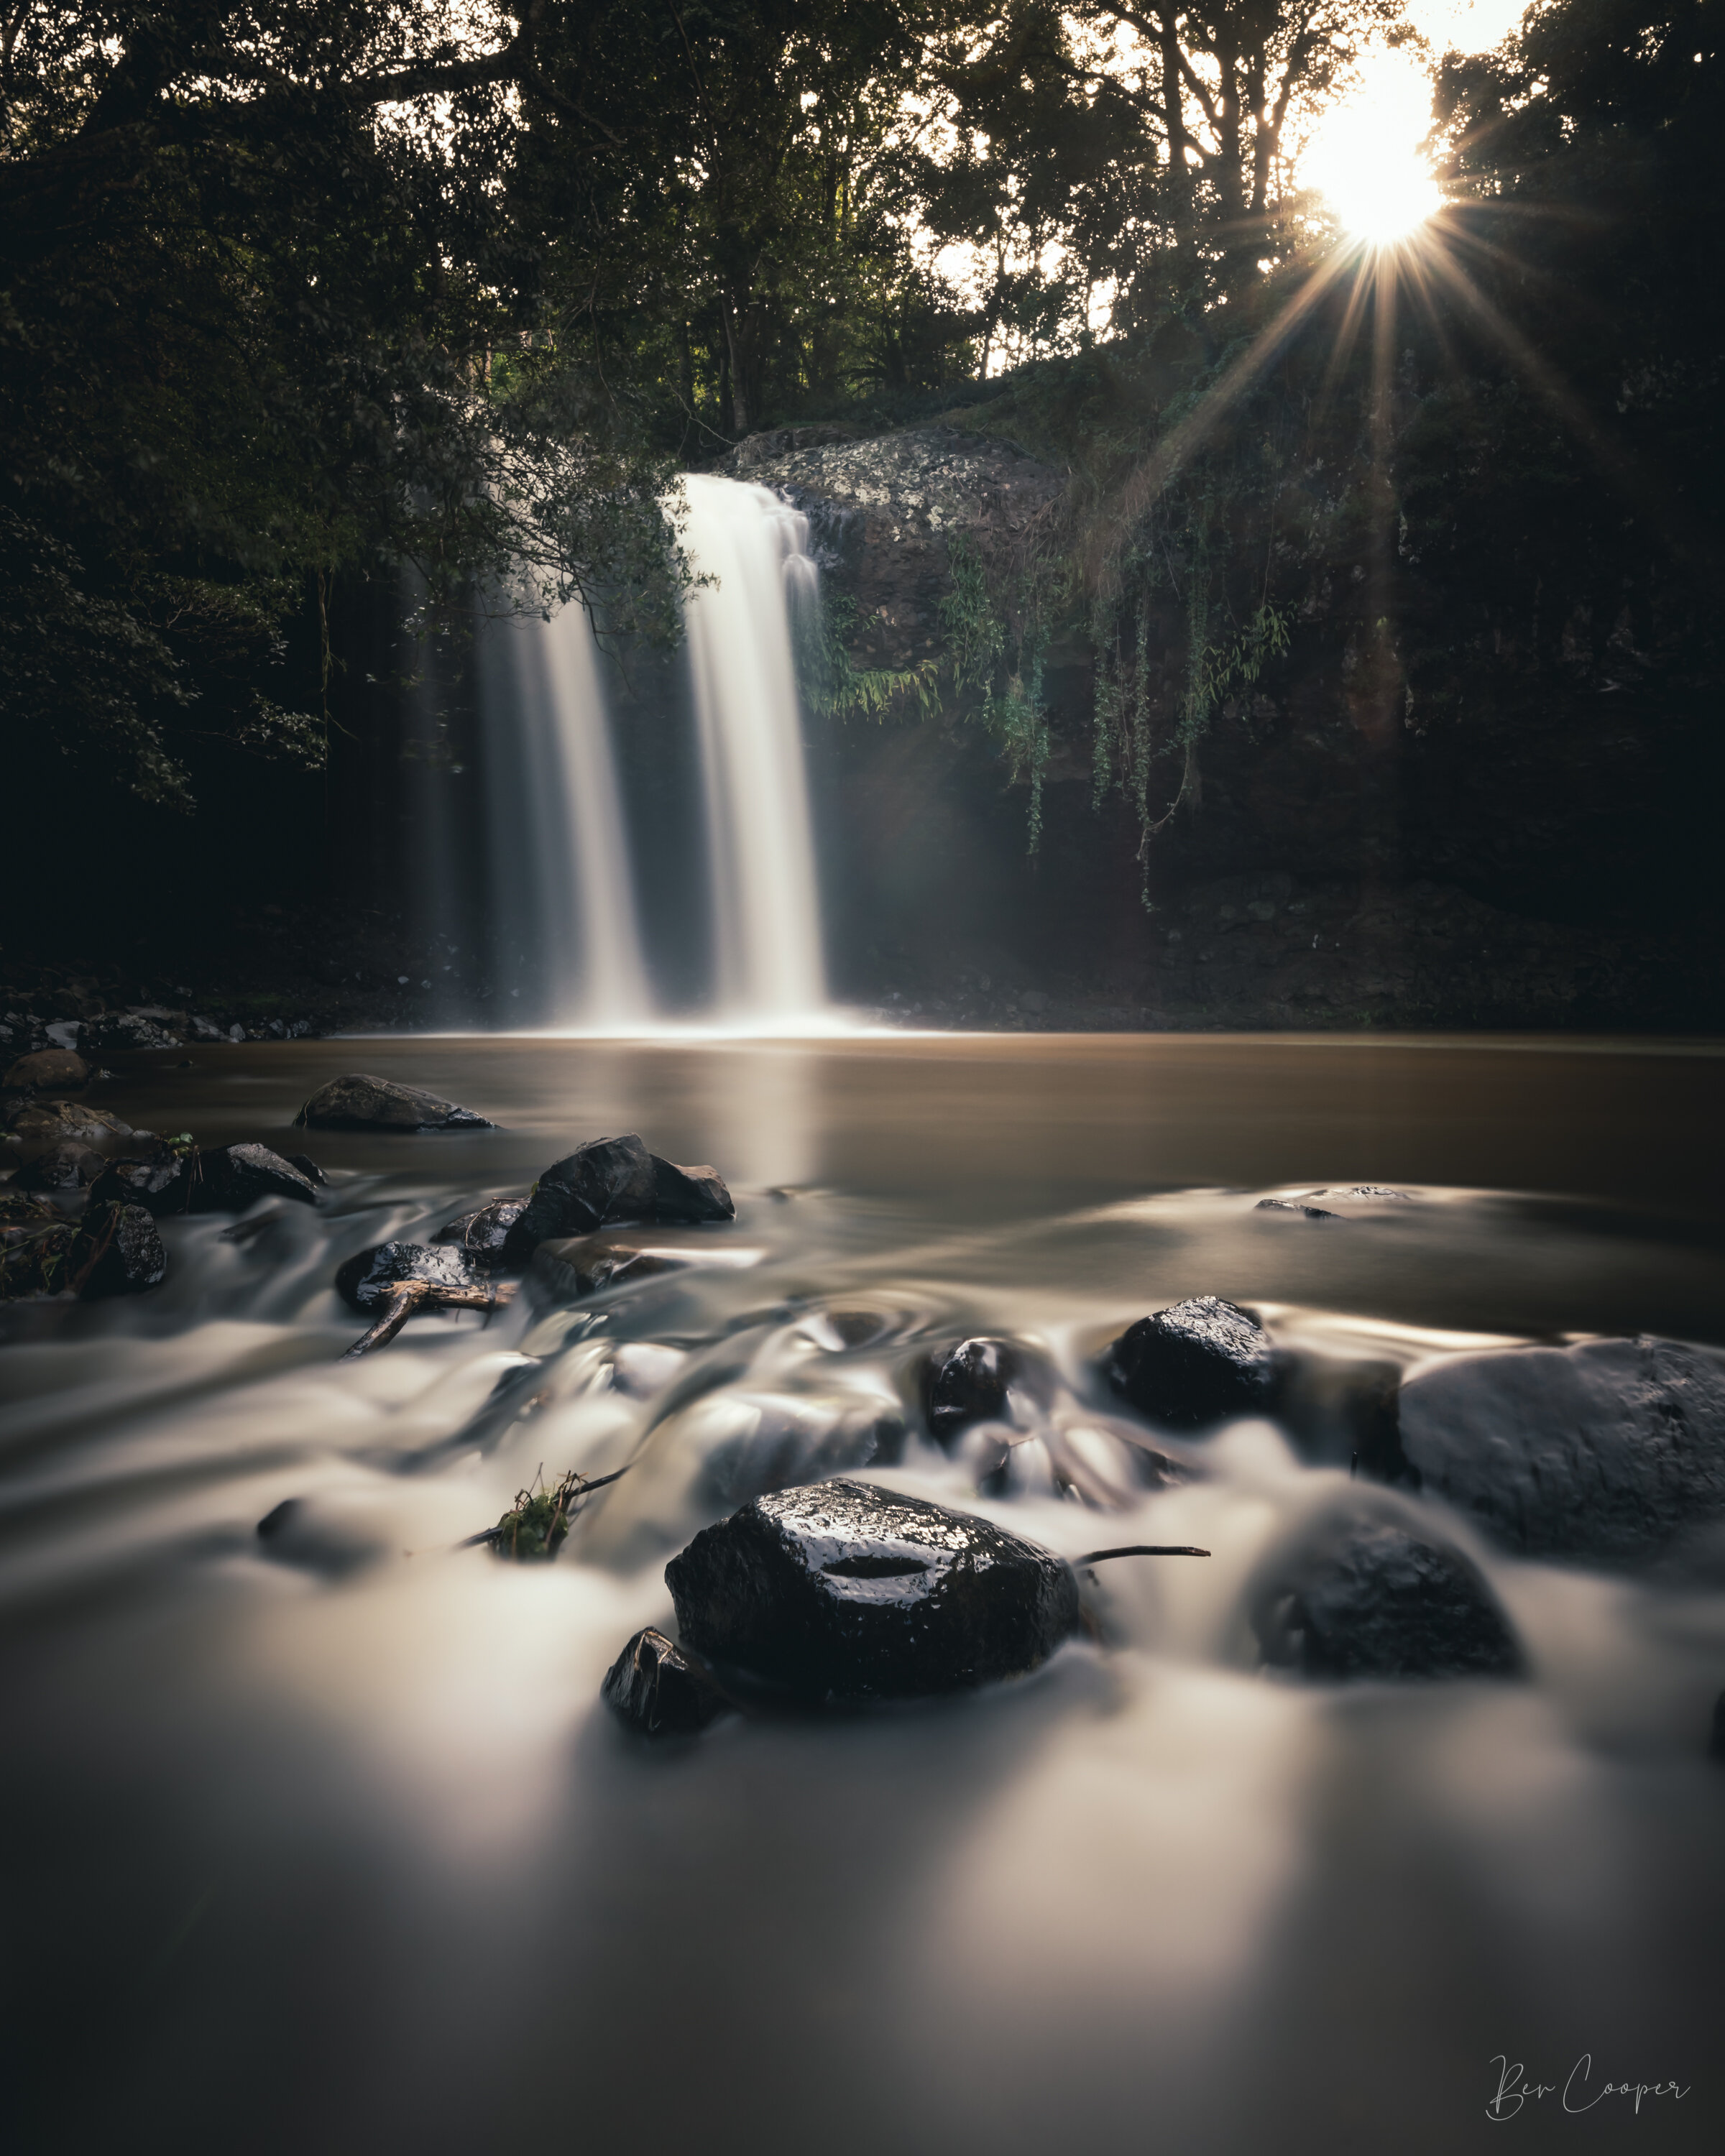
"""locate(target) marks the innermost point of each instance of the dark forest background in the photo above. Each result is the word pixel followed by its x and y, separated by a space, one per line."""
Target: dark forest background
pixel 325 326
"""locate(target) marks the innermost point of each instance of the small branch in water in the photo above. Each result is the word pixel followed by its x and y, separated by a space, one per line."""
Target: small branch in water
pixel 411 1295
pixel 1143 1549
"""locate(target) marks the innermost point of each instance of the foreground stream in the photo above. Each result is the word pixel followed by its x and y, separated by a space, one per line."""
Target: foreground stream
pixel 326 1843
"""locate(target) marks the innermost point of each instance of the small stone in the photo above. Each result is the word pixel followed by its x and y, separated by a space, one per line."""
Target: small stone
pixel 48 1066
pixel 1292 1205
pixel 1193 1363
pixel 688 1195
pixel 1368 1599
pixel 602 1184
pixel 844 1591
pixel 366 1280
pixel 357 1102
pixel 117 1251
pixel 968 1383
pixel 483 1234
pixel 582 1265
pixel 659 1691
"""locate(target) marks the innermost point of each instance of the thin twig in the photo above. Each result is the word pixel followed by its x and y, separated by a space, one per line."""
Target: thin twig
pixel 1143 1549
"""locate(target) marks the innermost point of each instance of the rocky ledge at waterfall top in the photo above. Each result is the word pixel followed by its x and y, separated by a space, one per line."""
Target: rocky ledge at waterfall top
pixel 882 513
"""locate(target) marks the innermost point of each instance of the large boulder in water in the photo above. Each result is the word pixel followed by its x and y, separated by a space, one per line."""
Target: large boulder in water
pixel 1196 1363
pixel 1366 1599
pixel 845 1591
pixel 602 1184
pixel 659 1691
pixel 359 1102
pixel 1607 1452
pixel 223 1179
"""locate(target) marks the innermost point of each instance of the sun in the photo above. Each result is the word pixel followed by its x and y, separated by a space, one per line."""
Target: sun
pixel 1364 157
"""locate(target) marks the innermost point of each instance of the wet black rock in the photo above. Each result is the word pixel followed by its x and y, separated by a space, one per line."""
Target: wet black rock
pixel 308 1167
pixel 659 1691
pixel 116 1251
pixel 359 1102
pixel 1195 1364
pixel 795 1441
pixel 582 1266
pixel 367 1280
pixel 602 1184
pixel 688 1195
pixel 225 1179
pixel 483 1234
pixel 63 1167
pixel 231 1178
pixel 968 1383
pixel 1608 1452
pixel 1366 1599
pixel 844 1591
pixel 313 1538
pixel 46 1069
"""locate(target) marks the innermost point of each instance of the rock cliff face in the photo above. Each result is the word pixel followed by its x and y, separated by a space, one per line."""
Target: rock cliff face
pixel 1332 866
pixel 882 513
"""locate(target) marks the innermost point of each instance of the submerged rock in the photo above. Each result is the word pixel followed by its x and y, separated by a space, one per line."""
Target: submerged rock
pixel 483 1234
pixel 659 1691
pixel 685 1196
pixel 116 1251
pixel 359 1102
pixel 785 1441
pixel 1368 1599
pixel 1293 1205
pixel 602 1184
pixel 308 1167
pixel 1195 1363
pixel 848 1592
pixel 47 1067
pixel 1607 1452
pixel 586 1263
pixel 40 1124
pixel 63 1167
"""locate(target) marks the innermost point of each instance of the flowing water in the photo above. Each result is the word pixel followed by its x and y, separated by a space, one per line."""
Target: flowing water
pixel 768 967
pixel 559 842
pixel 326 1844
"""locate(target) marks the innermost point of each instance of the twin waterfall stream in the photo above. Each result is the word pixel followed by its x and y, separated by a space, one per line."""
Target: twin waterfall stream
pixel 567 844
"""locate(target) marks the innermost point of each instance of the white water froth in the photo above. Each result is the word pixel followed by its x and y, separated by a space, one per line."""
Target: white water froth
pixel 768 966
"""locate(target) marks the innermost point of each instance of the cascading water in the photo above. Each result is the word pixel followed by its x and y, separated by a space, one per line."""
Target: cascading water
pixel 559 841
pixel 768 962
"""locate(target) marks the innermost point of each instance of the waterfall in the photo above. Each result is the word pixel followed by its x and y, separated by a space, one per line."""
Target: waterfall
pixel 767 960
pixel 564 920
pixel 560 844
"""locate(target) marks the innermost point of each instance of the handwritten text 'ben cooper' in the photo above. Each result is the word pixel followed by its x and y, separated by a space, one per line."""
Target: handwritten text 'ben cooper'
pixel 1514 2090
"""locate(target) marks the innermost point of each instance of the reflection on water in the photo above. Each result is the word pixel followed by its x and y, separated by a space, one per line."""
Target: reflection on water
pixel 324 1844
